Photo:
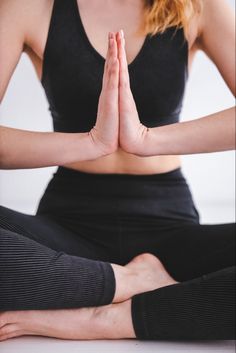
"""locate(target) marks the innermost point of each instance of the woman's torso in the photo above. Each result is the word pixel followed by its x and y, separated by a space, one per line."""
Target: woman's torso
pixel 97 18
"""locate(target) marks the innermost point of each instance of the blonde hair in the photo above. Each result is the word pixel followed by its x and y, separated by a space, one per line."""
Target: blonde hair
pixel 161 14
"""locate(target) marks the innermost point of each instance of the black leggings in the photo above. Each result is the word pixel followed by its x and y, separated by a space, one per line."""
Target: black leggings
pixel 61 257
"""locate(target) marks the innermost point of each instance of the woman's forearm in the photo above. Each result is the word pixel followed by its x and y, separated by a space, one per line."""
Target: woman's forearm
pixel 20 149
pixel 213 133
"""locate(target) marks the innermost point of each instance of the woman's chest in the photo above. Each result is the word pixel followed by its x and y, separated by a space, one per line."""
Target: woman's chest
pixel 96 24
pixel 70 60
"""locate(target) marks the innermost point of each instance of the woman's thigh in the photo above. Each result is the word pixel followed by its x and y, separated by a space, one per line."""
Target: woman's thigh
pixel 187 250
pixel 49 233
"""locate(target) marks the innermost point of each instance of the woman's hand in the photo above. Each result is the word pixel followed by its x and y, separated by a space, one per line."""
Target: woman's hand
pixel 132 133
pixel 118 123
pixel 105 134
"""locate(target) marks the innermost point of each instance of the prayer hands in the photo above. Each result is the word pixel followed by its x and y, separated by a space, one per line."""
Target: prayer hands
pixel 118 123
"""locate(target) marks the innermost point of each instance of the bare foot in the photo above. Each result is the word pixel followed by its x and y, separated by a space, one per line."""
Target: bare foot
pixel 150 272
pixel 144 273
pixel 71 324
pixel 107 322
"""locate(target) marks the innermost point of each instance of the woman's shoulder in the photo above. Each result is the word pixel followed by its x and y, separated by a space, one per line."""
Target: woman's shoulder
pixel 24 17
pixel 209 16
pixel 194 28
pixel 22 11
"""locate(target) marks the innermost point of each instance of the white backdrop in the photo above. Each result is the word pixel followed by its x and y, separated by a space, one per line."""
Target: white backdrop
pixel 211 176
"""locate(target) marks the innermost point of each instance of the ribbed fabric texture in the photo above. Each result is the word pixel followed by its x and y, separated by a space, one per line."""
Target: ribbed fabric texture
pixel 33 276
pixel 203 308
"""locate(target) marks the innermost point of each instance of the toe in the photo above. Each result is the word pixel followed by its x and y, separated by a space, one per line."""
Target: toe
pixel 3 319
pixel 10 331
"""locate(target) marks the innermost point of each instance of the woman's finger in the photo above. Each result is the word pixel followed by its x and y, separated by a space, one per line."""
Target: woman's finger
pixel 124 72
pixel 10 331
pixel 107 58
pixel 111 56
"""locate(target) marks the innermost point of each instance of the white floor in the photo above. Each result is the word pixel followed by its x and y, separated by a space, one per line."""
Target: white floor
pixel 44 345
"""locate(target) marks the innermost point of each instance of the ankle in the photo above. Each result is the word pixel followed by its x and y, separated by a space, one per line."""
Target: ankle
pixel 114 321
pixel 124 283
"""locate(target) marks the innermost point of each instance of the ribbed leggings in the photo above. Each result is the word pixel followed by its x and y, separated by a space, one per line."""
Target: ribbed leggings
pixel 46 266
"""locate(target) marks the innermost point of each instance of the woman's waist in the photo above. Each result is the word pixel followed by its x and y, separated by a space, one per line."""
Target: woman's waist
pixel 121 162
pixel 73 193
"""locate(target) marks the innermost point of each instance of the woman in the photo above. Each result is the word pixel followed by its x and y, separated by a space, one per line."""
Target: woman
pixel 116 229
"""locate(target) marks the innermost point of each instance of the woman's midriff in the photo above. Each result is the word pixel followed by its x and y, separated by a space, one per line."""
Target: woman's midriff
pixel 124 163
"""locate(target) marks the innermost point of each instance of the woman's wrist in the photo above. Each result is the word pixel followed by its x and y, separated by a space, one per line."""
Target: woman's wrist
pixel 85 147
pixel 100 148
pixel 152 143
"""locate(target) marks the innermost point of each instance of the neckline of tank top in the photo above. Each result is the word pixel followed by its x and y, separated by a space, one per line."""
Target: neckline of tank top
pixel 141 51
pixel 92 49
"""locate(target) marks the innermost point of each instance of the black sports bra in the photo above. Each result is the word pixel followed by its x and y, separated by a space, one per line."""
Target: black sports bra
pixel 73 71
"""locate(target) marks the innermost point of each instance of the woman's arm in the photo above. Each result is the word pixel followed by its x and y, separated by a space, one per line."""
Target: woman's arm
pixel 215 132
pixel 21 149
pixel 28 149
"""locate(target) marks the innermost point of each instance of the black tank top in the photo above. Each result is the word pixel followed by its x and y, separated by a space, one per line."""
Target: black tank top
pixel 73 71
